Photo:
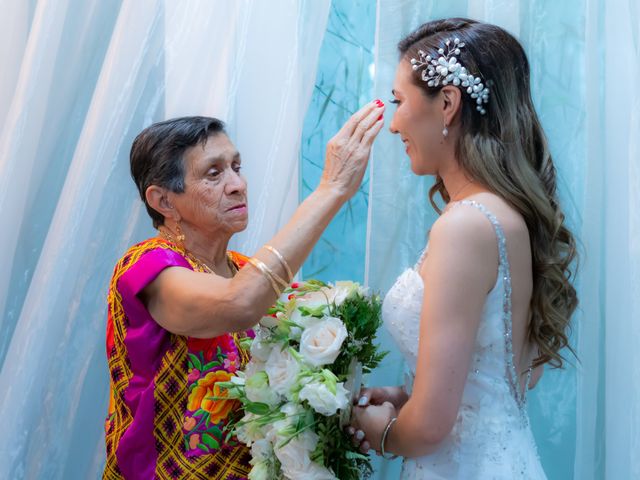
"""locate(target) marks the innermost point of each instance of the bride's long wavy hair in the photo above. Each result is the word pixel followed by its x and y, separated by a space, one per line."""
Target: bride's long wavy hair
pixel 506 150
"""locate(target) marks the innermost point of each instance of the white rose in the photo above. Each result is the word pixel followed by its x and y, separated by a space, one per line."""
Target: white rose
pixel 257 389
pixel 304 321
pixel 340 291
pixel 295 461
pixel 320 343
pixel 322 400
pixel 282 369
pixel 294 456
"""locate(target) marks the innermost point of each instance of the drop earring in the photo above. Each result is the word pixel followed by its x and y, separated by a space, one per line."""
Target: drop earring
pixel 180 237
pixel 445 131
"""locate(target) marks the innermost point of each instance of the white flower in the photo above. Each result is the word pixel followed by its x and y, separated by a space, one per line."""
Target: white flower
pixel 257 389
pixel 282 429
pixel 295 461
pixel 249 431
pixel 261 451
pixel 282 369
pixel 341 291
pixel 320 343
pixel 312 471
pixel 260 471
pixel 314 299
pixel 260 349
pixel 337 294
pixel 303 320
pixel 254 366
pixel 322 400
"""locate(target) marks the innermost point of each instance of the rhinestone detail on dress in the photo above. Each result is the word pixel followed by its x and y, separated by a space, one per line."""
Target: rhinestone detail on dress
pixel 504 269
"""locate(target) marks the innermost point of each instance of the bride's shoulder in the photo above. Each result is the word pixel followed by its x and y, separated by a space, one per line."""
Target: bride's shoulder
pixel 462 242
pixel 462 218
pixel 462 226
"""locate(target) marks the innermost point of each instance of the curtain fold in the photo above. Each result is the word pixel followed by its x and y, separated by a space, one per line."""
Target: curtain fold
pixel 92 76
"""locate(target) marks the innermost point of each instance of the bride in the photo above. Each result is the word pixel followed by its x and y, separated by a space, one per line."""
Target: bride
pixel 489 302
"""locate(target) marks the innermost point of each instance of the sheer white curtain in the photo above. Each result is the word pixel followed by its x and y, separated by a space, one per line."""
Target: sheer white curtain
pixel 585 57
pixel 80 79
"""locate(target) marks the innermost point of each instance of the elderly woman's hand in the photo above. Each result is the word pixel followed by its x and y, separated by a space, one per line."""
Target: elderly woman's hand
pixel 348 151
pixel 397 396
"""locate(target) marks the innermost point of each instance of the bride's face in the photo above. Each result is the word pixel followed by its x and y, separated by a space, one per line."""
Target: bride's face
pixel 418 121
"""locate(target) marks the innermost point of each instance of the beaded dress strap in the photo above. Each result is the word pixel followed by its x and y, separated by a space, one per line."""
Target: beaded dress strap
pixel 423 255
pixel 504 270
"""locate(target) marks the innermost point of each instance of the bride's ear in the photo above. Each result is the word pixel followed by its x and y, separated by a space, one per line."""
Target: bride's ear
pixel 451 103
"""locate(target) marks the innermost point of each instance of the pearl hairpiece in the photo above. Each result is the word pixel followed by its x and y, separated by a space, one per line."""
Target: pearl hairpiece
pixel 447 70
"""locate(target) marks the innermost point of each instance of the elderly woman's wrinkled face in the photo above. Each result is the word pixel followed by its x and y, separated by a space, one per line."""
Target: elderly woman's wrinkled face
pixel 215 195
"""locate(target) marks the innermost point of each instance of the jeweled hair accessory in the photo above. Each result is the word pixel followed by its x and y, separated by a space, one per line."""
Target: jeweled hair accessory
pixel 447 70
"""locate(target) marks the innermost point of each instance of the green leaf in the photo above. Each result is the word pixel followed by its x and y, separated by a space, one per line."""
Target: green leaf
pixel 203 447
pixel 210 441
pixel 317 312
pixel 257 408
pixel 194 362
pixel 210 365
pixel 355 456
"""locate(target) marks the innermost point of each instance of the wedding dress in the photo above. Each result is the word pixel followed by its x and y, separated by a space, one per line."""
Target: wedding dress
pixel 491 438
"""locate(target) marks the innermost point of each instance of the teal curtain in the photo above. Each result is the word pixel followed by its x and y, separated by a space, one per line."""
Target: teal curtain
pixel 343 83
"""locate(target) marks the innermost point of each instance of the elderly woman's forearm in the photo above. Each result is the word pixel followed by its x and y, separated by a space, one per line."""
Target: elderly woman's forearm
pixel 237 304
pixel 294 242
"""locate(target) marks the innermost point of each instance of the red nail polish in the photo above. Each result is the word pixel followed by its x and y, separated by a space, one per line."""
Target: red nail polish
pixel 379 118
pixel 379 103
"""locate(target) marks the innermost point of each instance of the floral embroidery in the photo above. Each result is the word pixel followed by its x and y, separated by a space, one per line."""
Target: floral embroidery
pixel 210 361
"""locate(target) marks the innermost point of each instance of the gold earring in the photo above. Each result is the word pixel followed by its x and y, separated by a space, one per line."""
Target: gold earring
pixel 180 235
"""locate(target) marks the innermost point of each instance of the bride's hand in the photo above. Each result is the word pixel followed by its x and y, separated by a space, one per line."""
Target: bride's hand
pixel 368 425
pixel 378 395
pixel 348 151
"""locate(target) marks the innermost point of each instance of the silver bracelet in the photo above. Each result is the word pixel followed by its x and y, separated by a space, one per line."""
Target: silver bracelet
pixel 384 439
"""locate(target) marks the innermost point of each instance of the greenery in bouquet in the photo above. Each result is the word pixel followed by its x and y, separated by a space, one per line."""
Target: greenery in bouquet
pixel 308 357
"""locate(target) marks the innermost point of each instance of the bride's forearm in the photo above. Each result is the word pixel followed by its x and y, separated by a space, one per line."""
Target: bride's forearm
pixel 408 437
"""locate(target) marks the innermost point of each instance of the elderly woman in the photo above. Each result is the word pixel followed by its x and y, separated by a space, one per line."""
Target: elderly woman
pixel 181 305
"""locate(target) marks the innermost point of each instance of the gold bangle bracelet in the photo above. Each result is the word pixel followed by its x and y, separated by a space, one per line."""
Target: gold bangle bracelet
pixel 278 279
pixel 282 261
pixel 266 271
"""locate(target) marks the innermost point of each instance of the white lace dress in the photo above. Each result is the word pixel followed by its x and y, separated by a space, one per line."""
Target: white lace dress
pixel 491 438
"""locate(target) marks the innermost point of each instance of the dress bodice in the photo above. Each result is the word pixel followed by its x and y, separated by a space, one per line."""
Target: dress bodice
pixel 491 437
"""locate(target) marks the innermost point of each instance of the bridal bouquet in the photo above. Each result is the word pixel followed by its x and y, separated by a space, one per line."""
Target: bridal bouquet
pixel 308 357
